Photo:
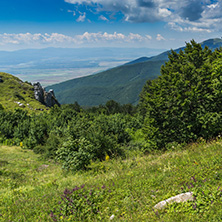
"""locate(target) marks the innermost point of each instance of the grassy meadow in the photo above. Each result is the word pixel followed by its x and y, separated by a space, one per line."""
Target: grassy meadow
pixel 32 189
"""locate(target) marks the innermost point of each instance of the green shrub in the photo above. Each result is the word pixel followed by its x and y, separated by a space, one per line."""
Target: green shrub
pixel 75 154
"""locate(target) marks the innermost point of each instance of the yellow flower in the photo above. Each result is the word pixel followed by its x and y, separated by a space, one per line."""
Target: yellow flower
pixel 21 144
pixel 107 157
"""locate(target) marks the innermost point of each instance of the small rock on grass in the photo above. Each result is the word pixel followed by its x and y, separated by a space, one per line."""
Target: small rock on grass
pixel 183 197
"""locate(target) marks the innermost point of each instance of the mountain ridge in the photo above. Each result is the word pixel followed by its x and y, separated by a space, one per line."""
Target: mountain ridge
pixel 127 80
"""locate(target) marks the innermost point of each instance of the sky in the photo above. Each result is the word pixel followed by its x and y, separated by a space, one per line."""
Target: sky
pixel 162 24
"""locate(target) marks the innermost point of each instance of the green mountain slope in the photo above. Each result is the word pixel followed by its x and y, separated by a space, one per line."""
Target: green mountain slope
pixel 17 94
pixel 211 43
pixel 122 84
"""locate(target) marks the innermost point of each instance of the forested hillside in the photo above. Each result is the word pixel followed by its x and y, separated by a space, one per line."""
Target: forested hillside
pixel 180 106
pixel 122 84
pixel 177 111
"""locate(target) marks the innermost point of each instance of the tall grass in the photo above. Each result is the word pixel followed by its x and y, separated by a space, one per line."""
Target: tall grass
pixel 32 189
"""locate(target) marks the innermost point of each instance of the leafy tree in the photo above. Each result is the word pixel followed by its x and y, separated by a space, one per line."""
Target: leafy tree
pixel 184 102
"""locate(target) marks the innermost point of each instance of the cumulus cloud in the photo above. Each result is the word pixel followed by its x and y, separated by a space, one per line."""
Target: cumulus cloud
pixel 192 10
pixel 58 39
pixel 81 18
pixel 190 15
pixel 109 37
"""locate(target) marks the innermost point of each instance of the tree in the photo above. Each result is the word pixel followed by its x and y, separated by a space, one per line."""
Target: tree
pixel 184 102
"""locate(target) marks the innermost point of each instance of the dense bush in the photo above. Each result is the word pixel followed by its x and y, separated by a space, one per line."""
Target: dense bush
pixel 72 135
pixel 75 154
pixel 184 103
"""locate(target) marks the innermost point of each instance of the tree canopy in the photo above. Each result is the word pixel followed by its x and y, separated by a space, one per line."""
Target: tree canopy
pixel 184 103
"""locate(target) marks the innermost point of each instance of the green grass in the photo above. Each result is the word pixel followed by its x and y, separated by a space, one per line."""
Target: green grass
pixel 29 192
pixel 13 90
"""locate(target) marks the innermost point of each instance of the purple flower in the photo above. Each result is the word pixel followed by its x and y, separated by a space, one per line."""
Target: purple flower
pixel 156 212
pixel 193 178
pixel 76 188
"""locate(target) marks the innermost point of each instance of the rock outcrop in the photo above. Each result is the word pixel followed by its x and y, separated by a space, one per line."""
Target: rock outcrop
pixel 183 197
pixel 46 98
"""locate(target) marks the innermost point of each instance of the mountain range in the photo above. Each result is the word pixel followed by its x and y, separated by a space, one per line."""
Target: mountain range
pixel 122 84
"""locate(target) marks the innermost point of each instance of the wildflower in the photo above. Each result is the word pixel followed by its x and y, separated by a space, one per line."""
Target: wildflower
pixel 107 157
pixel 21 144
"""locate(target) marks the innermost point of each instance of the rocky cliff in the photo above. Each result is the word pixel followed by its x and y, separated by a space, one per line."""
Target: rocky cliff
pixel 46 98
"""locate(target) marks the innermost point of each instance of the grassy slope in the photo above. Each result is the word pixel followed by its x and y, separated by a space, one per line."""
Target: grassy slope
pixel 29 192
pixel 122 84
pixel 14 90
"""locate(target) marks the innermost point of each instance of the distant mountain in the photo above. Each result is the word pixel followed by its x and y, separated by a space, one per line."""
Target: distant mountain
pixel 211 43
pixel 69 57
pixel 122 84
pixel 141 59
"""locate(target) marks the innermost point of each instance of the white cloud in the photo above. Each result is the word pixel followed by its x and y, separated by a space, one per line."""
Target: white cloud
pixel 57 39
pixel 176 27
pixel 81 18
pixel 189 16
pixel 149 37
pixel 159 37
pixel 73 12
pixel 101 17
pixel 107 37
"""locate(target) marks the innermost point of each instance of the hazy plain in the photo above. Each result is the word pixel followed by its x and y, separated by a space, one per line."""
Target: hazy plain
pixel 53 65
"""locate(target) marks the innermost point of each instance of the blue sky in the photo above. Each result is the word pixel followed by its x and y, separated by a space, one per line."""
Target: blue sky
pixel 107 23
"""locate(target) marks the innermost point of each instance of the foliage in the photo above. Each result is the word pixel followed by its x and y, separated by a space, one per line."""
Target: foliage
pixel 75 154
pixel 183 103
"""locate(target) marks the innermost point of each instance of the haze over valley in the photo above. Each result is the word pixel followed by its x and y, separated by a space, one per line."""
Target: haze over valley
pixel 53 65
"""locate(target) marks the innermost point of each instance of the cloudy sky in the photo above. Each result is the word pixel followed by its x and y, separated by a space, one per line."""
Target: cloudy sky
pixel 113 23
